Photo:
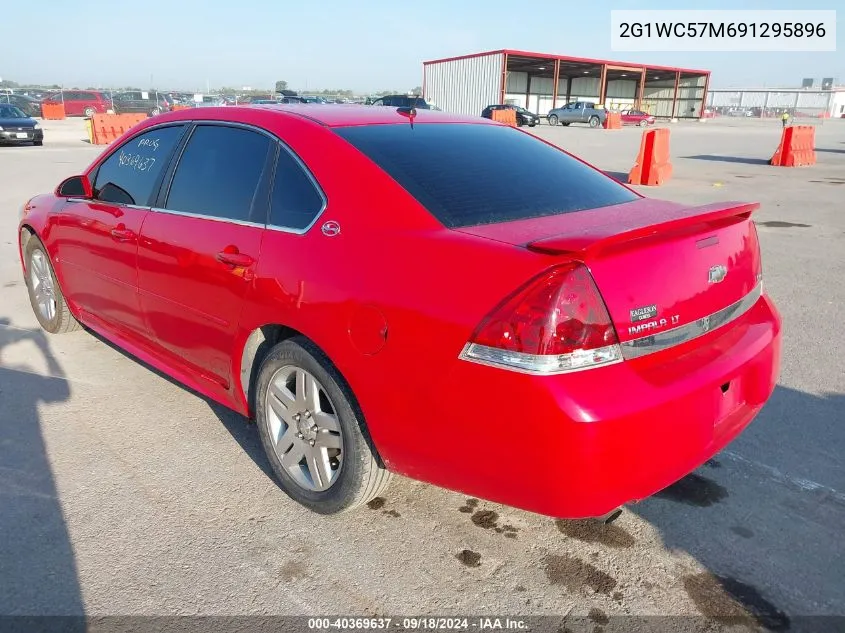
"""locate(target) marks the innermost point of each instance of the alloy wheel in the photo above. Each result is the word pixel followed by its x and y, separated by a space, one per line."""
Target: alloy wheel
pixel 43 288
pixel 304 427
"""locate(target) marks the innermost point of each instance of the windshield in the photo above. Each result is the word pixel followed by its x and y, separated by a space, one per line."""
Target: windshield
pixel 468 174
pixel 11 112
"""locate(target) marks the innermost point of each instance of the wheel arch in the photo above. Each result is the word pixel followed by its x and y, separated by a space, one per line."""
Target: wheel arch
pixel 26 233
pixel 258 344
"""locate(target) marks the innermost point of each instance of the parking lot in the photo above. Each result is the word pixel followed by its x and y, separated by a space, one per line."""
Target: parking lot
pixel 124 493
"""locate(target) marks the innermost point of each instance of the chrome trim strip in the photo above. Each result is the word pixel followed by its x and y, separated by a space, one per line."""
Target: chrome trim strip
pixel 534 364
pixel 670 338
pixel 200 216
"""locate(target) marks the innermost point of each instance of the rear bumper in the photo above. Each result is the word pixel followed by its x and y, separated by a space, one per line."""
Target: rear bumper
pixel 581 444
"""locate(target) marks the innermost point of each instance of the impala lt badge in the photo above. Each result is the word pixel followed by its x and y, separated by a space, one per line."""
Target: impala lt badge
pixel 330 228
pixel 717 274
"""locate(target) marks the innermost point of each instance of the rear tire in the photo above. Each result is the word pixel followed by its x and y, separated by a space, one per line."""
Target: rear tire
pixel 594 121
pixel 304 407
pixel 45 296
pixel 553 119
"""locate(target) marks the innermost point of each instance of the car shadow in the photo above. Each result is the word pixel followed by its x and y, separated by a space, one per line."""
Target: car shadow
pixel 729 159
pixel 764 517
pixel 38 573
pixel 241 429
pixel 830 150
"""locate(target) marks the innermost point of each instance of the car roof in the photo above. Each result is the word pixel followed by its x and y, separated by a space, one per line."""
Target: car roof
pixel 339 115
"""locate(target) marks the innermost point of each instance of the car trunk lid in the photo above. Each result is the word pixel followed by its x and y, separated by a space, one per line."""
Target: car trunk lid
pixel 658 265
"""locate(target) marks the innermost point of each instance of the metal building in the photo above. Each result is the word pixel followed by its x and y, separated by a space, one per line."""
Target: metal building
pixel 773 102
pixel 540 82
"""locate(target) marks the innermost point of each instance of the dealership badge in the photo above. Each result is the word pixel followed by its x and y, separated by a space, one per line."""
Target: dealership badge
pixel 643 313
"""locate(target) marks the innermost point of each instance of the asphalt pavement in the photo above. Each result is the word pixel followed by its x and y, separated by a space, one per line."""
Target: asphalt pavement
pixel 123 493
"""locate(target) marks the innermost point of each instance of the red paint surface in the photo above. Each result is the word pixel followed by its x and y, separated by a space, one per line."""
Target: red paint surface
pixel 570 445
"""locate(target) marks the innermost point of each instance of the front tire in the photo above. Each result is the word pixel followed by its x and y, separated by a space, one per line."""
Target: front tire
pixel 89 112
pixel 38 143
pixel 313 432
pixel 45 296
pixel 643 123
pixel 552 119
pixel 155 111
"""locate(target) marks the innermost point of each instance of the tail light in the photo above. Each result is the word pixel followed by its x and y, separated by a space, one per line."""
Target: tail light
pixel 556 323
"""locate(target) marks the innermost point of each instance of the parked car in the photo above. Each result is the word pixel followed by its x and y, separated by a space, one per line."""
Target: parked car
pixel 211 101
pixel 85 103
pixel 637 117
pixel 401 101
pixel 16 126
pixel 578 112
pixel 743 112
pixel 137 101
pixel 523 116
pixel 366 342
pixel 28 105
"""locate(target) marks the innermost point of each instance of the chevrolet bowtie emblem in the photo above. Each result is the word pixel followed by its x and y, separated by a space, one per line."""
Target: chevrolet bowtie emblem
pixel 717 274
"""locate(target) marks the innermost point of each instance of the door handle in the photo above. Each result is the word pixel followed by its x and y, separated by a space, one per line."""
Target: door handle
pixel 122 235
pixel 239 260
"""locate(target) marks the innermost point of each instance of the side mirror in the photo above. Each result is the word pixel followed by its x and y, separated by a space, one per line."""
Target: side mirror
pixel 75 187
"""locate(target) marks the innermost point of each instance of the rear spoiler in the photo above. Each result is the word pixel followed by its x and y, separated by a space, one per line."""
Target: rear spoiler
pixel 635 226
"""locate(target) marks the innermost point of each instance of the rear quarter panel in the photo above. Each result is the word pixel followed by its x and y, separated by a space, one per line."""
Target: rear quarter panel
pixel 431 285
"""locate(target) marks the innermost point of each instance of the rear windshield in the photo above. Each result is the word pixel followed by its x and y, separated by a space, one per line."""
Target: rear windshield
pixel 469 174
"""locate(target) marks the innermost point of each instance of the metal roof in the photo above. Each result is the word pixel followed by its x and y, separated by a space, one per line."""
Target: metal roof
pixel 568 58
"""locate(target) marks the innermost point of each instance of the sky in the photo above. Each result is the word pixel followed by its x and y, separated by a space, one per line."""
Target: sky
pixel 360 45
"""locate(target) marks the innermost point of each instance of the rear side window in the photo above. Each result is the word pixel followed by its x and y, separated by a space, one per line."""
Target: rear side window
pixel 468 174
pixel 295 201
pixel 131 174
pixel 219 173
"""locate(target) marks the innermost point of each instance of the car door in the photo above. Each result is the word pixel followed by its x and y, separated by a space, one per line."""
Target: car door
pixel 72 101
pixel 199 247
pixel 134 102
pixel 97 239
pixel 567 114
pixel 580 113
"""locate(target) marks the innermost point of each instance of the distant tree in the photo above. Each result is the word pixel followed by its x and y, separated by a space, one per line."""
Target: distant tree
pixel 417 91
pixel 55 87
pixel 9 84
pixel 281 85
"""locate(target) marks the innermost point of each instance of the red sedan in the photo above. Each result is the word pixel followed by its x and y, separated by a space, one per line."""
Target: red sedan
pixel 382 297
pixel 636 117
